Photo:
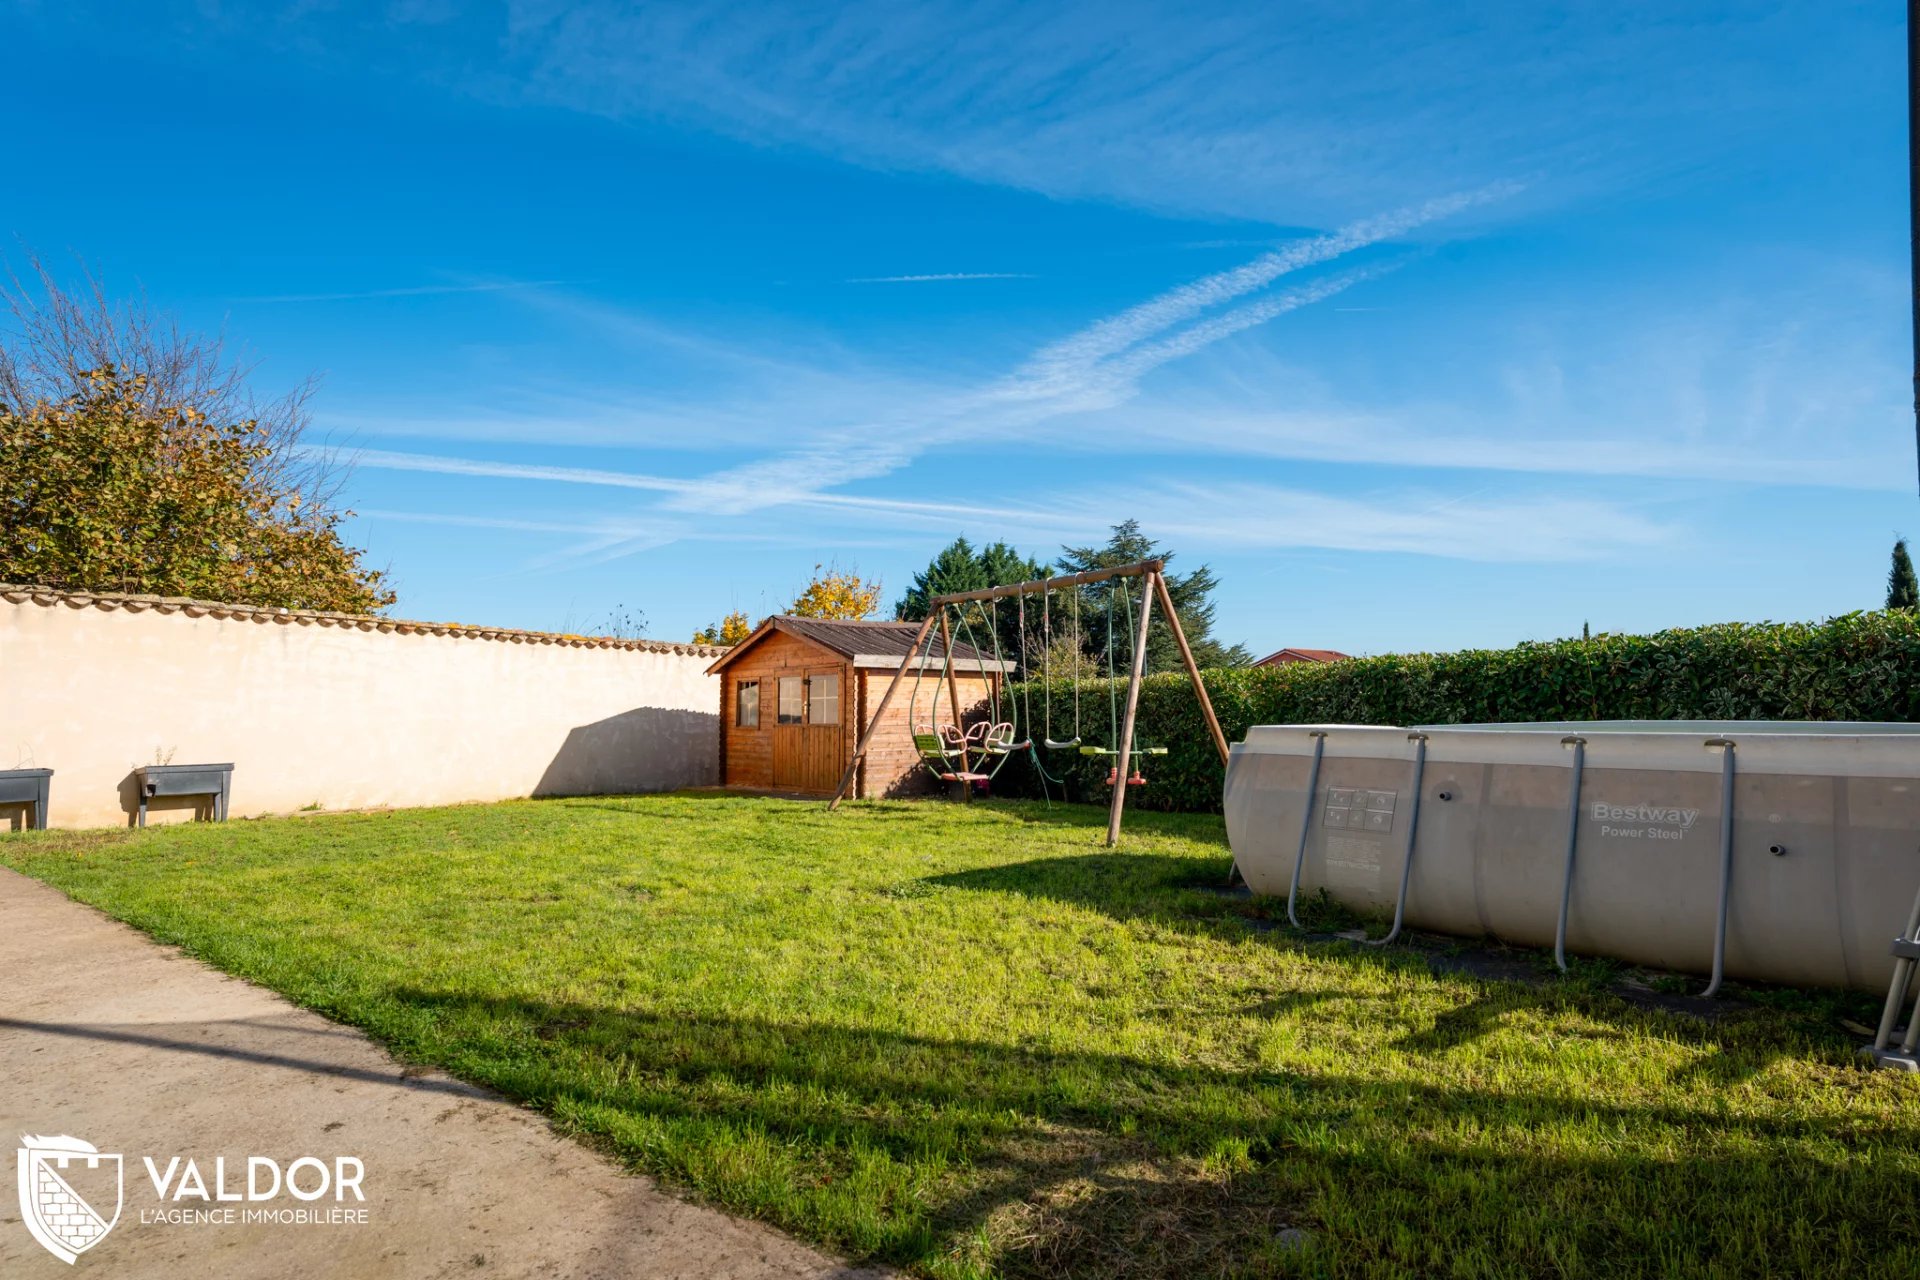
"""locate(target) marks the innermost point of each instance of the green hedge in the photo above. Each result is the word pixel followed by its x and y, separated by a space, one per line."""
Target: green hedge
pixel 1863 666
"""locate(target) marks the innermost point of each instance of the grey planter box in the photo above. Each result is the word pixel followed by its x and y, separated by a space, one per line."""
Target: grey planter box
pixel 27 786
pixel 186 780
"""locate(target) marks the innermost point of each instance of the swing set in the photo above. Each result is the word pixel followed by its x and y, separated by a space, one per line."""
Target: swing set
pixel 969 756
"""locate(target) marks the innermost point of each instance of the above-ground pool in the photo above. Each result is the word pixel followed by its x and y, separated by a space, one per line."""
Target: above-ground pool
pixel 1808 833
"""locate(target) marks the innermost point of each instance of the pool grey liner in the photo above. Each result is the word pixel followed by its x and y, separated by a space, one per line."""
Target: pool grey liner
pixel 1769 850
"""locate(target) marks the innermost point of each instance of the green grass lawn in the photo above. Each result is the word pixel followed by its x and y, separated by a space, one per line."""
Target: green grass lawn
pixel 971 1041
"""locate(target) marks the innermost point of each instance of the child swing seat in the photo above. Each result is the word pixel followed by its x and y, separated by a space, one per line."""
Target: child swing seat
pixel 997 739
pixel 942 750
pixel 1113 771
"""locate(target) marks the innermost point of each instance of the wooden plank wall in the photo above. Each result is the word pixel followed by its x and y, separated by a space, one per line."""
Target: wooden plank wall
pixel 892 767
pixel 747 754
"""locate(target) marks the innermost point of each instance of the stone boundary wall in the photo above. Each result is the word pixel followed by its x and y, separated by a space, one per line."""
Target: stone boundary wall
pixel 335 710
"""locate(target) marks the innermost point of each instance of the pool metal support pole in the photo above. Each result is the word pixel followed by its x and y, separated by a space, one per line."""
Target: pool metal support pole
pixel 1726 863
pixel 1579 746
pixel 1912 1038
pixel 1306 824
pixel 1897 993
pixel 1908 1042
pixel 1419 741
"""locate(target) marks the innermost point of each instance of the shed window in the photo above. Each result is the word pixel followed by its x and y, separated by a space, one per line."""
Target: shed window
pixel 793 700
pixel 823 699
pixel 746 704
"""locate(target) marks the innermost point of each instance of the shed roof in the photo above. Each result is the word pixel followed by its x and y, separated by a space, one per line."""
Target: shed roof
pixel 865 644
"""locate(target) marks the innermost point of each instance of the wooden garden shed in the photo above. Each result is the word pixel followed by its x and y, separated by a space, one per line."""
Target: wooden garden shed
pixel 795 697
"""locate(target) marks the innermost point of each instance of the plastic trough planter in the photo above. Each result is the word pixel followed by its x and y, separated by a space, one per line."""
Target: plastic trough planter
pixel 30 787
pixel 158 780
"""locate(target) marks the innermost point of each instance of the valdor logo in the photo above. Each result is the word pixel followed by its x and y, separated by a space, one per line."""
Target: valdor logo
pixel 56 1212
pixel 1682 818
pixel 66 1183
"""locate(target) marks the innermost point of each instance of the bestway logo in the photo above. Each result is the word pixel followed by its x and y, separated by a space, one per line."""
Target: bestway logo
pixel 1682 818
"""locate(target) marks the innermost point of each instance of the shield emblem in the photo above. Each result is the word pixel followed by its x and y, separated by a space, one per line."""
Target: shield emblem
pixel 65 1186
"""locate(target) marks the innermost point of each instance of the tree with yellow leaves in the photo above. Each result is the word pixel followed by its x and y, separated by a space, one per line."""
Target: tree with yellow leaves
pixel 730 630
pixel 837 593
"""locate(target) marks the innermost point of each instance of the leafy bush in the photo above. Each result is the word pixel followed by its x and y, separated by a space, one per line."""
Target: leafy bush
pixel 104 490
pixel 1862 666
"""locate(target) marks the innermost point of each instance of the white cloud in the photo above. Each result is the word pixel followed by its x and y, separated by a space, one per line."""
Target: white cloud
pixel 461 521
pixel 856 422
pixel 1528 528
pixel 387 460
pixel 1416 439
pixel 1291 113
pixel 1099 366
pixel 1548 529
pixel 1071 357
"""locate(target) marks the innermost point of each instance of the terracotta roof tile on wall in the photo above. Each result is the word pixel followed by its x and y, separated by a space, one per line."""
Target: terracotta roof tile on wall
pixel 130 603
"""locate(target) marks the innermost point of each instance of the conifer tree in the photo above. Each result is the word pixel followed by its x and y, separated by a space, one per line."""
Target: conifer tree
pixel 1903 589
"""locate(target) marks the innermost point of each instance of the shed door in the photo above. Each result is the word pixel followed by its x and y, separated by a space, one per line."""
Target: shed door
pixel 808 732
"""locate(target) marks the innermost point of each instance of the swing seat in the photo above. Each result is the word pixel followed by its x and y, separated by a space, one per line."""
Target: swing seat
pixel 1069 745
pixel 1113 776
pixel 1110 751
pixel 936 749
pixel 998 740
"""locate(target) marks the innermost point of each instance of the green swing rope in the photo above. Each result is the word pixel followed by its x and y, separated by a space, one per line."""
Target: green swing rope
pixel 1026 691
pixel 1026 676
pixel 913 702
pixel 1073 607
pixel 1113 686
pixel 1133 643
pixel 1113 692
pixel 1046 662
pixel 990 621
pixel 1016 715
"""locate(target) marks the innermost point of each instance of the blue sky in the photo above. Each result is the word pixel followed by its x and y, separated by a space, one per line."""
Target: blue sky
pixel 1426 326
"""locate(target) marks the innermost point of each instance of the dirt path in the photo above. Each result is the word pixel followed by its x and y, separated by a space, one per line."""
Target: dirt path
pixel 107 1037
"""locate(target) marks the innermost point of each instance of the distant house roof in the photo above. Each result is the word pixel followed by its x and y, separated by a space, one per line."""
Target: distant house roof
pixel 880 645
pixel 1281 657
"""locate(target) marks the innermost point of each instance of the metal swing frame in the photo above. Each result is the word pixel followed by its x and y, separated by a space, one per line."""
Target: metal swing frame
pixel 1134 779
pixel 1046 672
pixel 1154 587
pixel 940 745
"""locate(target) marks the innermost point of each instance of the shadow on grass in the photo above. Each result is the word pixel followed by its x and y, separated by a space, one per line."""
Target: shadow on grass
pixel 1176 892
pixel 1085 1163
pixel 783 805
